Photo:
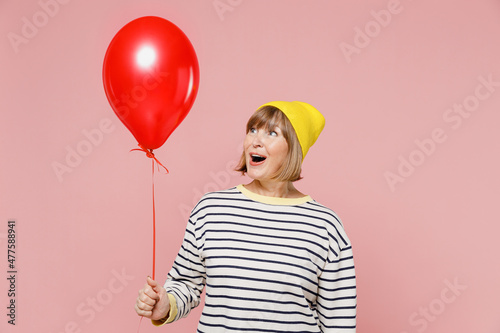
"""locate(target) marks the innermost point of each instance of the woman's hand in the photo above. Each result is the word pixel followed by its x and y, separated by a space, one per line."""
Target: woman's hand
pixel 152 302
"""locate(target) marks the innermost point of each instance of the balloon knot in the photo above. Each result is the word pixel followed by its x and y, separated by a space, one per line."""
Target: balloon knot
pixel 150 154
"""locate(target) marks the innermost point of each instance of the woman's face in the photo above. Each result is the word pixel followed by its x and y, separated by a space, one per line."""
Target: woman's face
pixel 265 152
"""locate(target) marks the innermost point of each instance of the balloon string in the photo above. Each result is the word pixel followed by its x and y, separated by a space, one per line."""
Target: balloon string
pixel 154 215
pixel 139 327
pixel 149 153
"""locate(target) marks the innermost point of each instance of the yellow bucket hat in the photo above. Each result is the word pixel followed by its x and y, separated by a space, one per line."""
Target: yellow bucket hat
pixel 306 120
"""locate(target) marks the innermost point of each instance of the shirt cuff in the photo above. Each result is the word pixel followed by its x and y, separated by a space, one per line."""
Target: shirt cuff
pixel 171 314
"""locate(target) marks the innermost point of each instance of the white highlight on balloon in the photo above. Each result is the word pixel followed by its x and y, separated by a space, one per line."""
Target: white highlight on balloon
pixel 146 56
pixel 191 84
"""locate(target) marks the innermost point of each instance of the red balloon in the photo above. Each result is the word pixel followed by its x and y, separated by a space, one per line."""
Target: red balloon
pixel 151 78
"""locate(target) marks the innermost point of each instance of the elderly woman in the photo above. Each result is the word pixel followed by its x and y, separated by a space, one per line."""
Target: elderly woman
pixel 272 258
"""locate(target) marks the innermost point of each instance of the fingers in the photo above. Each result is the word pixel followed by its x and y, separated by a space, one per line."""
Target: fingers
pixel 147 298
pixel 151 282
pixel 144 304
pixel 150 289
pixel 141 311
pixel 154 285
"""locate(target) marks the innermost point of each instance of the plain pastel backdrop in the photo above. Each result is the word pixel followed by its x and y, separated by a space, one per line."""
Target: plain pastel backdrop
pixel 408 158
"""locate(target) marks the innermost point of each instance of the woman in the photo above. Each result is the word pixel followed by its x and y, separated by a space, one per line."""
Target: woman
pixel 272 259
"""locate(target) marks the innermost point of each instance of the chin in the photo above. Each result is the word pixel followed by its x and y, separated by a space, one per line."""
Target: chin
pixel 254 175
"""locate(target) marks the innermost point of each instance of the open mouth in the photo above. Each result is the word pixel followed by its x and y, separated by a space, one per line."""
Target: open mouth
pixel 257 159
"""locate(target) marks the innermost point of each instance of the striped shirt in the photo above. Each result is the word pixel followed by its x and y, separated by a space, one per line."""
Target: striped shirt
pixel 268 264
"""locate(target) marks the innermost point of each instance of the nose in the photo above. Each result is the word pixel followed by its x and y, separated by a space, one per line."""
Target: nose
pixel 257 140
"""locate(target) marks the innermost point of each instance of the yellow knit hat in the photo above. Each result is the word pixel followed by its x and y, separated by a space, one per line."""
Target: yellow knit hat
pixel 305 119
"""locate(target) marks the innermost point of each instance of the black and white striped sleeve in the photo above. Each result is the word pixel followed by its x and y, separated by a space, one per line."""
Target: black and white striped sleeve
pixel 337 300
pixel 186 279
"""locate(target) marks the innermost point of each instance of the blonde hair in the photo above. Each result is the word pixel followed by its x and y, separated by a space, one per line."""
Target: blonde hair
pixel 269 117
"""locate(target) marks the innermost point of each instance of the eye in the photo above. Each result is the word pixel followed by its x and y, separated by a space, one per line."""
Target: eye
pixel 273 133
pixel 252 130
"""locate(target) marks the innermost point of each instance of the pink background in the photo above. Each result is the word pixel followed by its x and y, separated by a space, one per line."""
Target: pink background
pixel 426 245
